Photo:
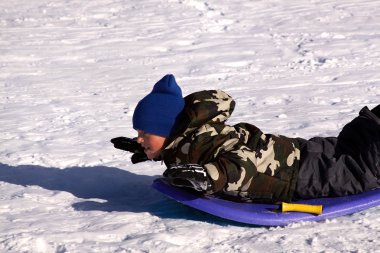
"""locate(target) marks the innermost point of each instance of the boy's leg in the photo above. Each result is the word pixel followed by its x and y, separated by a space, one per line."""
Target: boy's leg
pixel 360 139
pixel 376 111
pixel 348 164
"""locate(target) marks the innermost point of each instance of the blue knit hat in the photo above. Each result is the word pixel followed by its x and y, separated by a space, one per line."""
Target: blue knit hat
pixel 157 112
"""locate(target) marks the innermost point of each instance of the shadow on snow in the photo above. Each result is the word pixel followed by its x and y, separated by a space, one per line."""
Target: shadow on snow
pixel 121 190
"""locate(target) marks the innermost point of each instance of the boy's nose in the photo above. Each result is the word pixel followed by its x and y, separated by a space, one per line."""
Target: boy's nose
pixel 139 140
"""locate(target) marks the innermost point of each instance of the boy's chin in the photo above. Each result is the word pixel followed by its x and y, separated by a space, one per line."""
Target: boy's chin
pixel 150 156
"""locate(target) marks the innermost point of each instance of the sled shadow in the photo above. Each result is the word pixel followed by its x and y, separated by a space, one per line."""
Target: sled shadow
pixel 104 189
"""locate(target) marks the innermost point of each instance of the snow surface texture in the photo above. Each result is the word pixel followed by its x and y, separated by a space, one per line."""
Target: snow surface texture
pixel 71 73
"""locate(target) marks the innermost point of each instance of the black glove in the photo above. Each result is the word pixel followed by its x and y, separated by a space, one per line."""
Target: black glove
pixel 132 146
pixel 188 175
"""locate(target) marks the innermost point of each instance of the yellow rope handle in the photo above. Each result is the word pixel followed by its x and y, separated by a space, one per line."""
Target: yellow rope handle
pixel 290 207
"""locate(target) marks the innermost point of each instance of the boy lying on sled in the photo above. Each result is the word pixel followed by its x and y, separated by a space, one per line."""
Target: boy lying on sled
pixel 202 152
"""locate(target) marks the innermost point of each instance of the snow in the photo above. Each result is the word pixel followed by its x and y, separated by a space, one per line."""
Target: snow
pixel 71 73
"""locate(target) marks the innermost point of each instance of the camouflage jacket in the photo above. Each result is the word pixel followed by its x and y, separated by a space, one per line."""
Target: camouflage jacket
pixel 241 161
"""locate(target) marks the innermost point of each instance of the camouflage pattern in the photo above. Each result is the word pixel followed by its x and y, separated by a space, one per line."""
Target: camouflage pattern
pixel 241 161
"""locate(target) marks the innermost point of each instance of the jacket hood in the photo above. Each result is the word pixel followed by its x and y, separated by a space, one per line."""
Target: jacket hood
pixel 208 106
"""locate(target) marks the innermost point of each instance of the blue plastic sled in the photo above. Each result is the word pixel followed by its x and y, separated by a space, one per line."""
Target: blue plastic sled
pixel 266 214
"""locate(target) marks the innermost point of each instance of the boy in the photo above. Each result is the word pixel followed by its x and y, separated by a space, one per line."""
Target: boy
pixel 241 162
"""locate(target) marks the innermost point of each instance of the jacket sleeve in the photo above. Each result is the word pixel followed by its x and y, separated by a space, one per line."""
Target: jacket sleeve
pixel 229 164
pixel 232 166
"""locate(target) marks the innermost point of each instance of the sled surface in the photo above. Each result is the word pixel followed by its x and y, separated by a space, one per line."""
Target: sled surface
pixel 267 214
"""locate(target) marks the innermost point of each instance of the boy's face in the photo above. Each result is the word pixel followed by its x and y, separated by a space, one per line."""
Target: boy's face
pixel 151 143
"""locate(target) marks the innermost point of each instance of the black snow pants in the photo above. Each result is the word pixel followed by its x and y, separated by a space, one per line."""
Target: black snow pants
pixel 343 165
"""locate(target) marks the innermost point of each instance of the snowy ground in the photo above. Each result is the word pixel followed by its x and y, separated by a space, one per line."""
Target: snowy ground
pixel 71 73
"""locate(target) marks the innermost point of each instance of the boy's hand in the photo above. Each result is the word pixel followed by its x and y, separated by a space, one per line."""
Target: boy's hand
pixel 188 175
pixel 132 146
pixel 127 144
